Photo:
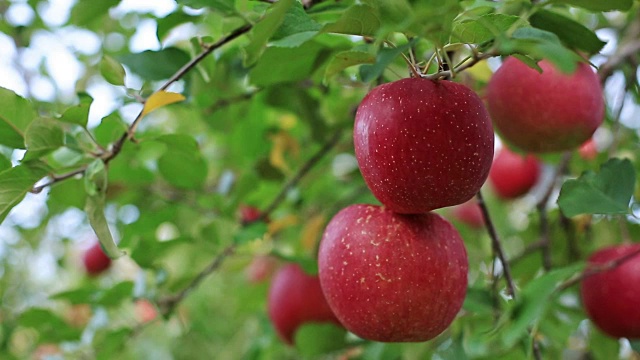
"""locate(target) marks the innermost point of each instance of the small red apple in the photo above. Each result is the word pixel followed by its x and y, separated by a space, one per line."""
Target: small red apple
pixel 95 260
pixel 145 311
pixel 295 298
pixel 548 111
pixel 423 144
pixel 469 213
pixel 612 298
pixel 588 150
pixel 392 277
pixel 261 268
pixel 513 175
pixel 249 214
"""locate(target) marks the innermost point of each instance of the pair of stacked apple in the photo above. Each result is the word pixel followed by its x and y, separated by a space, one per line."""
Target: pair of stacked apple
pixel 398 272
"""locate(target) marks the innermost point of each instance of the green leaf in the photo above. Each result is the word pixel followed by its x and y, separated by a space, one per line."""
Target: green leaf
pixel 42 137
pixel 111 342
pixel 251 232
pixel 484 28
pixel 599 5
pixel 278 65
pixel 86 12
pixel 182 165
pixel 571 32
pixel 96 187
pixel 264 29
pixel 4 163
pixel 169 22
pixel 77 296
pixel 540 44
pixel 607 192
pixel 115 295
pixel 16 182
pixel 51 328
pixel 314 339
pixel 16 113
pixel 345 59
pixel 78 114
pixel 156 65
pixel 382 351
pixel 602 346
pixel 635 345
pixel 297 28
pixel 479 301
pixel 112 71
pixel 533 301
pixel 384 58
pixel 224 6
pixel 359 19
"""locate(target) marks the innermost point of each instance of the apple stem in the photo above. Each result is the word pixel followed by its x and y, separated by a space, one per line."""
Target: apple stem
pixel 497 245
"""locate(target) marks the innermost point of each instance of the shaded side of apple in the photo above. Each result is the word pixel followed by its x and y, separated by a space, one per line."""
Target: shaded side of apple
pixel 296 298
pixel 391 277
pixel 423 144
pixel 95 260
pixel 513 175
pixel 548 111
pixel 612 298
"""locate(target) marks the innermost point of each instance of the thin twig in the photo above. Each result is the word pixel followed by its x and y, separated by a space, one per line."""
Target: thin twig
pixel 545 236
pixel 169 303
pixel 497 245
pixel 593 269
pixel 445 74
pixel 628 49
pixel 57 178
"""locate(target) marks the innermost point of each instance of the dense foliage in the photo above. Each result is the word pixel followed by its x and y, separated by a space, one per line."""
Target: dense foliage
pixel 157 151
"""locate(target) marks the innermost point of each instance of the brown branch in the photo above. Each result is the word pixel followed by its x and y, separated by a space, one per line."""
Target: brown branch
pixel 497 245
pixel 593 269
pixel 545 236
pixel 627 50
pixel 474 59
pixel 57 178
pixel 169 303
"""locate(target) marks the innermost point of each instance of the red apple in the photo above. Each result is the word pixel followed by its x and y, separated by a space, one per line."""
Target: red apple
pixel 513 175
pixel 612 298
pixel 469 213
pixel 392 277
pixel 145 311
pixel 548 111
pixel 423 144
pixel 261 268
pixel 95 261
pixel 295 298
pixel 249 214
pixel 588 150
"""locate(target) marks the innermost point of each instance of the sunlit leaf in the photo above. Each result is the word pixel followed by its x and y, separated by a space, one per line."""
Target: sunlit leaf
pixel 156 65
pixel 264 29
pixel 16 113
pixel 42 137
pixel 316 339
pixel 159 99
pixel 598 5
pixel 345 59
pixel 16 182
pixel 112 70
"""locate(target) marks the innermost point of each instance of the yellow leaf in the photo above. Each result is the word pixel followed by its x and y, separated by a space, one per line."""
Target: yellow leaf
pixel 282 143
pixel 159 99
pixel 480 71
pixel 312 231
pixel 281 223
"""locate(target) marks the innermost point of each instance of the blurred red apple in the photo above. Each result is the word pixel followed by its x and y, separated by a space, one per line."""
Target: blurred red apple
pixel 423 144
pixel 249 214
pixel 612 298
pixel 295 298
pixel 261 268
pixel 392 277
pixel 588 150
pixel 95 261
pixel 513 175
pixel 145 311
pixel 548 111
pixel 469 213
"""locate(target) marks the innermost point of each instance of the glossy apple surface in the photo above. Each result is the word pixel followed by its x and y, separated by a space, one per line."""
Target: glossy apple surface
pixel 469 213
pixel 423 144
pixel 95 260
pixel 513 175
pixel 295 298
pixel 612 298
pixel 392 277
pixel 548 111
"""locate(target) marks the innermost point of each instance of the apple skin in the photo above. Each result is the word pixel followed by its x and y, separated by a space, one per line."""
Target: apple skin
pixel 611 297
pixel 261 268
pixel 423 144
pixel 469 213
pixel 95 260
pixel 588 150
pixel 249 214
pixel 296 298
pixel 513 175
pixel 548 111
pixel 392 277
